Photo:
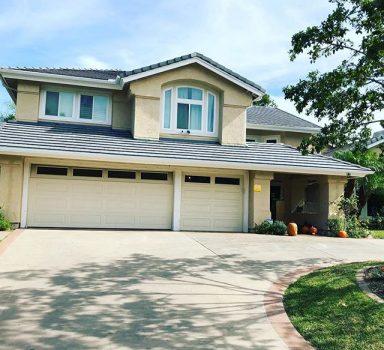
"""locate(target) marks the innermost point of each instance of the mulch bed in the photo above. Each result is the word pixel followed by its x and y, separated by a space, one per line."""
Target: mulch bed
pixel 374 277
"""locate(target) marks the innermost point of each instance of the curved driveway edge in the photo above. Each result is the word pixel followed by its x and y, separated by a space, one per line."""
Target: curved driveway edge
pixel 274 307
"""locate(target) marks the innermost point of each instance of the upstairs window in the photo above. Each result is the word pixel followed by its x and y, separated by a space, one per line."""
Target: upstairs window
pixel 189 110
pixel 63 105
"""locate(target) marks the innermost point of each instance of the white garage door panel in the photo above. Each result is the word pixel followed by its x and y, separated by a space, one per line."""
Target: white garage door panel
pixel 211 207
pixel 99 204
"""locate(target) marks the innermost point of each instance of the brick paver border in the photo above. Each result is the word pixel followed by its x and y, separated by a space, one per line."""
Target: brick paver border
pixel 365 287
pixel 9 239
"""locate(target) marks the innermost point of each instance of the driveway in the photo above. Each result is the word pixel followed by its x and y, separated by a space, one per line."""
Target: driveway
pixel 64 289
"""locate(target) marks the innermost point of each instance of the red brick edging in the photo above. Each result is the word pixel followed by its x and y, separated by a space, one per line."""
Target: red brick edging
pixel 364 286
pixel 9 239
pixel 274 307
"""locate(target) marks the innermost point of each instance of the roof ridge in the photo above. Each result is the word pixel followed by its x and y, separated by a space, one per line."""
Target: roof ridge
pixel 67 68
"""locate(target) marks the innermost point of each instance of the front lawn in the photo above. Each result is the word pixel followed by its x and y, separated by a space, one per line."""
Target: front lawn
pixel 377 234
pixel 328 308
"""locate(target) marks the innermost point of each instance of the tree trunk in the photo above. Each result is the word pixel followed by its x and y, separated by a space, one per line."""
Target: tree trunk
pixel 362 197
pixel 349 188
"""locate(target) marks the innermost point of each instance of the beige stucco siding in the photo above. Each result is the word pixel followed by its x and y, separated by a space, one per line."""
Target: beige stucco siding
pixel 121 116
pixel 234 101
pixel 11 178
pixel 28 100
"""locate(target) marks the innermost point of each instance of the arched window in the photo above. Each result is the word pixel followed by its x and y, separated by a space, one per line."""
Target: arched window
pixel 190 110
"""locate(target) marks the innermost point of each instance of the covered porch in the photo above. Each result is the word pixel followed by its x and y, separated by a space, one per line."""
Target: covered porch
pixel 300 198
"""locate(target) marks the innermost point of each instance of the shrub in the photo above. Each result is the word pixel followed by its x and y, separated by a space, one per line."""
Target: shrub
pixel 374 223
pixel 336 224
pixel 5 224
pixel 268 228
pixel 355 229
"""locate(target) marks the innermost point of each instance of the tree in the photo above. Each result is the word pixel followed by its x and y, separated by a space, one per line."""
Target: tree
pixel 363 187
pixel 266 101
pixel 349 95
pixel 10 113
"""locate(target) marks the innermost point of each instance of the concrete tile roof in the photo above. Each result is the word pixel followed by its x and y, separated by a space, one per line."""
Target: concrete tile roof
pixel 57 140
pixel 269 116
pixel 113 73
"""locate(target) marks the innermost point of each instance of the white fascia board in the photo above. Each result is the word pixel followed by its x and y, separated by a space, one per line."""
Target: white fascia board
pixel 186 62
pixel 283 128
pixel 60 79
pixel 179 162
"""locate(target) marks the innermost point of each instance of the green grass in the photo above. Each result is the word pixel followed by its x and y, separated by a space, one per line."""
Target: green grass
pixel 332 313
pixel 378 234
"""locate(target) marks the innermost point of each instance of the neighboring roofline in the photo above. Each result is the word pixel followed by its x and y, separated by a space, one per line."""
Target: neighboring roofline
pixel 27 152
pixel 253 126
pixel 198 60
pixel 376 143
pixel 8 73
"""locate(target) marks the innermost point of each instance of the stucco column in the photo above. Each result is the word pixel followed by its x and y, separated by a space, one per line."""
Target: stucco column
pixel 331 191
pixel 259 197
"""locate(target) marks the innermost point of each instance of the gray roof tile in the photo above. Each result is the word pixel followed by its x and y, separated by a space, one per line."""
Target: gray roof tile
pixel 113 73
pixel 105 141
pixel 269 116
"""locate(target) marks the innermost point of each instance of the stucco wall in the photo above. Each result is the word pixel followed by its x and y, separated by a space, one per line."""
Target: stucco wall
pixel 11 177
pixel 234 101
pixel 28 100
pixel 121 117
pixel 259 197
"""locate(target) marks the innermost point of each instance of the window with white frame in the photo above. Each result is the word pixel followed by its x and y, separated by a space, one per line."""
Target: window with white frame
pixel 78 106
pixel 190 109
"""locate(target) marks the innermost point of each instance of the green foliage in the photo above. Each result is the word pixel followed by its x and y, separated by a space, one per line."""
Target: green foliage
pixel 355 229
pixel 268 228
pixel 9 114
pixel 329 310
pixel 5 224
pixel 374 223
pixel 348 96
pixel 363 187
pixel 265 100
pixel 336 224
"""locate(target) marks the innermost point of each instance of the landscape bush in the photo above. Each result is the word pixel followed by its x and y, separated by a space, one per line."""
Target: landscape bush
pixel 271 228
pixel 5 224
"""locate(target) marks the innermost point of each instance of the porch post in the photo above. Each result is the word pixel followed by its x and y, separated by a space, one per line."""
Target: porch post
pixel 259 194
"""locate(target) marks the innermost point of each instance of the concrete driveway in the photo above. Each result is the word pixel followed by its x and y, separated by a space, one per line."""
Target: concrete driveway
pixel 152 290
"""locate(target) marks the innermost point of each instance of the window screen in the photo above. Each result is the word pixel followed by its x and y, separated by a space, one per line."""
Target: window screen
pixel 120 174
pixel 154 176
pixel 198 179
pixel 49 170
pixel 227 181
pixel 88 172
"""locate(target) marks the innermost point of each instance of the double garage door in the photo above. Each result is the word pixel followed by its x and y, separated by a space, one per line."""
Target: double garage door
pixel 104 198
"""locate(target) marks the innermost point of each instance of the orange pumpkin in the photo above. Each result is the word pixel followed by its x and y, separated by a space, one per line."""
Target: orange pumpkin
pixel 292 229
pixel 342 234
pixel 305 230
pixel 313 230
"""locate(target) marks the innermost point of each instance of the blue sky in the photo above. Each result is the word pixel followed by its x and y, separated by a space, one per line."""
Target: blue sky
pixel 252 37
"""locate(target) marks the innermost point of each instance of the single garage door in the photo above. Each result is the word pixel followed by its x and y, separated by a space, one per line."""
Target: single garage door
pixel 99 198
pixel 212 203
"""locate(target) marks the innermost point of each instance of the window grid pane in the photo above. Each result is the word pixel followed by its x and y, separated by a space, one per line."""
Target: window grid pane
pixel 167 109
pixel 86 107
pixel 100 104
pixel 195 117
pixel 52 103
pixel 66 104
pixel 182 115
pixel 211 112
pixel 190 93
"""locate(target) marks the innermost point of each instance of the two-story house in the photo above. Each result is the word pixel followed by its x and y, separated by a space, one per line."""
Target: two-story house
pixel 174 145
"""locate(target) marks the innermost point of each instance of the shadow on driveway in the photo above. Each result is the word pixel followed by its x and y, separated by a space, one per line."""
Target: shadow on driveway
pixel 142 302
